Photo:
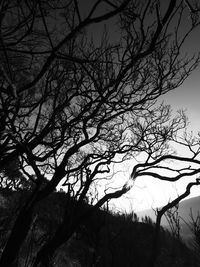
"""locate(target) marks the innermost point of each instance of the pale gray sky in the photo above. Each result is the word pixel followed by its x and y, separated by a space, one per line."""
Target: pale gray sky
pixel 187 97
pixel 151 193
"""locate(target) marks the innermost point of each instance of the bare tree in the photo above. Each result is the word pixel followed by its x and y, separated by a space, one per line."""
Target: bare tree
pixel 69 104
pixel 194 226
pixel 163 167
pixel 173 219
pixel 161 212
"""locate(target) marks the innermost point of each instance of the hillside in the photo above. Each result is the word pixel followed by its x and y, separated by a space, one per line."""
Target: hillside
pixel 104 240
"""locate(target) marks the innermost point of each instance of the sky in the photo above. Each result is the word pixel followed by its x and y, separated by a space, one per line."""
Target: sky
pixel 149 192
pixel 187 97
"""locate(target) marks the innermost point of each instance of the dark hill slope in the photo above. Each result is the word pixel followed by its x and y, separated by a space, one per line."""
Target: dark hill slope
pixel 103 240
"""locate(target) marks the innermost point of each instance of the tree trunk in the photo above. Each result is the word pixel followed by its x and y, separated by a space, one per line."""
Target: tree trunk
pixel 19 231
pixel 46 253
pixel 72 219
pixel 16 238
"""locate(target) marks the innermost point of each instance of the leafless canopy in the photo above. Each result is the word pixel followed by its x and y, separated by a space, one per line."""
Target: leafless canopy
pixel 78 86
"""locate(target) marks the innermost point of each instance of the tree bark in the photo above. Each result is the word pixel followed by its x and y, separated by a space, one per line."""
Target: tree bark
pixel 18 234
pixel 46 253
pixel 19 231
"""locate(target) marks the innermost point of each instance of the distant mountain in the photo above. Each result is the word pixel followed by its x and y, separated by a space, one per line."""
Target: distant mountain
pixel 187 208
pixel 189 205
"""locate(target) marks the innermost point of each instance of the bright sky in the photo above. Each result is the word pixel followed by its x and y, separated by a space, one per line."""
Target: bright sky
pixel 149 192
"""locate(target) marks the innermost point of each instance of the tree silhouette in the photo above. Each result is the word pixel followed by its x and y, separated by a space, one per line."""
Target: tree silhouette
pixel 70 104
